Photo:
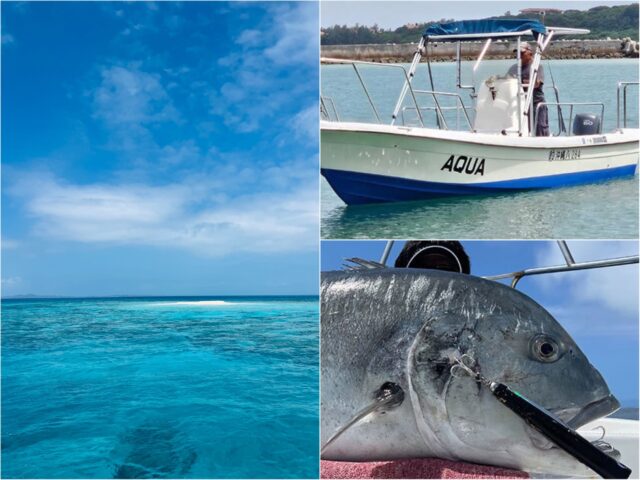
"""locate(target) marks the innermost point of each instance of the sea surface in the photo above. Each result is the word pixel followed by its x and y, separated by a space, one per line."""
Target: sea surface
pixel 160 388
pixel 608 209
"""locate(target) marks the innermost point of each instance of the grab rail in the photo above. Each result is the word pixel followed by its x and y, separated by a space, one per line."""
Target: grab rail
pixel 570 264
pixel 571 105
pixel 366 91
pixel 439 109
pixel 325 111
pixel 516 276
pixel 624 86
pixel 430 109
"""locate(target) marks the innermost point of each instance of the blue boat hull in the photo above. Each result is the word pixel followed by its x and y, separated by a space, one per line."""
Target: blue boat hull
pixel 356 188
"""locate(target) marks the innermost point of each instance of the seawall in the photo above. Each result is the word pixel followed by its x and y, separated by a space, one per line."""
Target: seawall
pixel 561 49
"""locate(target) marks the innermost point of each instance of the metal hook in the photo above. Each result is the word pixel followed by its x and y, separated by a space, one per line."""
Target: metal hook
pixel 600 427
pixel 465 362
pixel 455 368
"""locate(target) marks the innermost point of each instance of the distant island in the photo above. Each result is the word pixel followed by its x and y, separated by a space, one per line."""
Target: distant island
pixel 617 22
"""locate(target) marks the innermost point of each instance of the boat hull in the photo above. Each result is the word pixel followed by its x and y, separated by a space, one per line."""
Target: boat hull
pixel 380 163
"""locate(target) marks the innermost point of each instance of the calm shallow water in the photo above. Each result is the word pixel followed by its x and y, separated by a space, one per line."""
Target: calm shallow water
pixel 141 388
pixel 600 210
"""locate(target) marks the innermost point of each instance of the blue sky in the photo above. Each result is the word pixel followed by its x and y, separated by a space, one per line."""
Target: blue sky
pixel 371 12
pixel 159 148
pixel 599 308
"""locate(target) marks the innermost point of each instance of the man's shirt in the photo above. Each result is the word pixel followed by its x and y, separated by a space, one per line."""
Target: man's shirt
pixel 538 94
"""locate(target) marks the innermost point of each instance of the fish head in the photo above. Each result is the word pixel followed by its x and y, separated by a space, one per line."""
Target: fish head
pixel 506 337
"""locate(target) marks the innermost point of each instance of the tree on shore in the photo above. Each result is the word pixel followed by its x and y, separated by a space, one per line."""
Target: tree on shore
pixel 618 21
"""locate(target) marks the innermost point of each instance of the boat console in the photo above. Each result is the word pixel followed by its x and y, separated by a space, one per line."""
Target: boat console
pixel 497 106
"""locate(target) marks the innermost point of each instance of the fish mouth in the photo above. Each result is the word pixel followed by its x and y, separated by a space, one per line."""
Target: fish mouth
pixel 594 410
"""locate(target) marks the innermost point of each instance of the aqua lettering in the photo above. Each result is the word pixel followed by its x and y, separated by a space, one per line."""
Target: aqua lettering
pixel 471 166
pixel 449 164
pixel 459 167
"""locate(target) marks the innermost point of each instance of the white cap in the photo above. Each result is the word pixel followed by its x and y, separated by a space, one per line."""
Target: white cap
pixel 524 46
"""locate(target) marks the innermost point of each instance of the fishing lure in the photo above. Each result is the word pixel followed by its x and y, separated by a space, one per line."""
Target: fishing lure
pixel 549 425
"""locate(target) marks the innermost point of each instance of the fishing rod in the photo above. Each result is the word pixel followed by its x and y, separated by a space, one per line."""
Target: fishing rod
pixel 561 124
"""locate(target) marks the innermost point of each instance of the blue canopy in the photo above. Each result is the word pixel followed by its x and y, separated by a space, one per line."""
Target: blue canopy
pixel 484 28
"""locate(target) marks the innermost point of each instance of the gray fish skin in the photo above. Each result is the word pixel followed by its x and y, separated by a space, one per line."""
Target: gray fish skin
pixel 405 326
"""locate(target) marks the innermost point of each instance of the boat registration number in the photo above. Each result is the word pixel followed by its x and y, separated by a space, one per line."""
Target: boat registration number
pixel 564 154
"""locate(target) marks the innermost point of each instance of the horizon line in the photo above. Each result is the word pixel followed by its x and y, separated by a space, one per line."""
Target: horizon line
pixel 66 297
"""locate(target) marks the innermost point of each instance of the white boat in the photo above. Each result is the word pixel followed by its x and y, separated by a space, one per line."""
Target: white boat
pixel 621 434
pixel 498 152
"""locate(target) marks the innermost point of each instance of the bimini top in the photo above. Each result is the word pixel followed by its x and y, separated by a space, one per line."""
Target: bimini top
pixel 488 28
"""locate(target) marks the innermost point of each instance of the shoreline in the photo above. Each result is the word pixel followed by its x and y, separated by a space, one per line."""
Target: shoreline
pixel 499 50
pixel 392 60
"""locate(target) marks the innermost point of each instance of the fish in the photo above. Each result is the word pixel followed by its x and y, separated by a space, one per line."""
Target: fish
pixel 389 340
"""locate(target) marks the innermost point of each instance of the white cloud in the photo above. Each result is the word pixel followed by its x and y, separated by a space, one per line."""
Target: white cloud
pixel 271 70
pixel 9 244
pixel 128 96
pixel 131 103
pixel 617 287
pixel 172 216
pixel 614 289
pixel 177 190
pixel 250 37
pixel 298 40
pixel 11 281
pixel 305 123
pixel 7 39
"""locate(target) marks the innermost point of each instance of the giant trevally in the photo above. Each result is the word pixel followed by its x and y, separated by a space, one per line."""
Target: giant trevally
pixel 390 338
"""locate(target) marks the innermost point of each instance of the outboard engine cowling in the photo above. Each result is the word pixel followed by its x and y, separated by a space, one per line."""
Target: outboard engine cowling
pixel 586 124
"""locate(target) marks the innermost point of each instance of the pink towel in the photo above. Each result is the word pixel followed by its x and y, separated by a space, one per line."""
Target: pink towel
pixel 414 468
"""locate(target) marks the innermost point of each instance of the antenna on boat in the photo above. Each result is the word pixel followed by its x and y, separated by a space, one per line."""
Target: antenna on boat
pixel 561 124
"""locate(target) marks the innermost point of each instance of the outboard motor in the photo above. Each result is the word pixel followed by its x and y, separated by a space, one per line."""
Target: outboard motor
pixel 586 124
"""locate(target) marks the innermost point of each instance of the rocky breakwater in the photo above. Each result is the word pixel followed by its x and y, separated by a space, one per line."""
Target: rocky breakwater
pixel 630 48
pixel 446 52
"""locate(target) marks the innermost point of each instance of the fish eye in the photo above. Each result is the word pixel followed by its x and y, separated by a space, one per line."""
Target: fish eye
pixel 544 348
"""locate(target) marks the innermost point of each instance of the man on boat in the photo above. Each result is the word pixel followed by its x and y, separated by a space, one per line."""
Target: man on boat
pixel 526 59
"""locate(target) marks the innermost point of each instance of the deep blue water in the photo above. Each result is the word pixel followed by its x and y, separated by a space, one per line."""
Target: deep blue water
pixel 154 387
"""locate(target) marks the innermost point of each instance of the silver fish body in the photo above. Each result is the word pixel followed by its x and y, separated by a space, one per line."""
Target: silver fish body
pixel 406 327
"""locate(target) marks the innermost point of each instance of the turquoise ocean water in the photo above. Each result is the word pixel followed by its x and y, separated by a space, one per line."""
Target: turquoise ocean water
pixel 160 388
pixel 584 211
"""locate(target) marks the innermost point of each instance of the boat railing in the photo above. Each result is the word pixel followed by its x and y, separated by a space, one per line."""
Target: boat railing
pixel 434 109
pixel 355 63
pixel 439 109
pixel 570 105
pixel 623 86
pixel 570 264
pixel 325 103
